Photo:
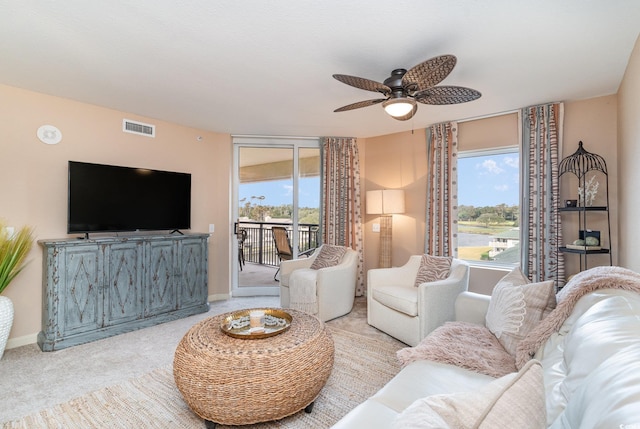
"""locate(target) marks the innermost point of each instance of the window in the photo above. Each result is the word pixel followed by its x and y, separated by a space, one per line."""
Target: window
pixel 489 209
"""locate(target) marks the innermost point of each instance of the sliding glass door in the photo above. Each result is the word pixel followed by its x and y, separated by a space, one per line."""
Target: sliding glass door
pixel 276 203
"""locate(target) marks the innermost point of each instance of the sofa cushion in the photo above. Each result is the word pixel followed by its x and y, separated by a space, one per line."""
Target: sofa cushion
pixel 424 378
pixel 401 298
pixel 465 345
pixel 516 307
pixel 601 325
pixel 433 268
pixel 515 400
pixel 583 283
pixel 609 397
pixel 328 256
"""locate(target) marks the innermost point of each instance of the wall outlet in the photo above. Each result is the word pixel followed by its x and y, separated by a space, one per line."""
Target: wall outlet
pixel 212 227
pixel 376 227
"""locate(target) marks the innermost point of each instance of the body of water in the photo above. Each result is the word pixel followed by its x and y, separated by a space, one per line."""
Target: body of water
pixel 473 240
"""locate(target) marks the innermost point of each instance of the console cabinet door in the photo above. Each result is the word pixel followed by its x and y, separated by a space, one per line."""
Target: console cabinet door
pixel 80 305
pixel 96 288
pixel 160 268
pixel 123 294
pixel 192 272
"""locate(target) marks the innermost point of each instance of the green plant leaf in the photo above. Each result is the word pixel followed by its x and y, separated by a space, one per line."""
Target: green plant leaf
pixel 14 248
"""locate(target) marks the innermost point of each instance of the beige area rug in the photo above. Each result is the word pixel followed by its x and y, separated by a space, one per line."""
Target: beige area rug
pixel 362 366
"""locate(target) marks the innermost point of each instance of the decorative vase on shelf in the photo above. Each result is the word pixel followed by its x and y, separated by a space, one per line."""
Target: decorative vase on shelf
pixel 14 247
pixel 6 321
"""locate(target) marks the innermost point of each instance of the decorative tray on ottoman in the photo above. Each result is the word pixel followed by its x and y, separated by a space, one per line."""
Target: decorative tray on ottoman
pixel 238 324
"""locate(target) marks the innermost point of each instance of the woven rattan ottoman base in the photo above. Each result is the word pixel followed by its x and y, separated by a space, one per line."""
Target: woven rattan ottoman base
pixel 235 381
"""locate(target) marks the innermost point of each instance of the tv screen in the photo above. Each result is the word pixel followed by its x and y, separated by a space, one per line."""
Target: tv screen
pixel 112 198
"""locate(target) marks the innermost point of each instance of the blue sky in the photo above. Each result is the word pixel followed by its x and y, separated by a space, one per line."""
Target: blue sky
pixel 278 192
pixel 488 180
pixel 482 181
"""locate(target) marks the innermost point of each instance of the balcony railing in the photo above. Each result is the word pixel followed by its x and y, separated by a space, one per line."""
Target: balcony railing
pixel 259 247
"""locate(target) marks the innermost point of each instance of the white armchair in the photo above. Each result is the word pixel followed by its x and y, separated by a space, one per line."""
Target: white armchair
pixel 335 286
pixel 409 313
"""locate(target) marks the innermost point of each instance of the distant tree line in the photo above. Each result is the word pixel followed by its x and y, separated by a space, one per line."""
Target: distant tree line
pixel 490 214
pixel 250 208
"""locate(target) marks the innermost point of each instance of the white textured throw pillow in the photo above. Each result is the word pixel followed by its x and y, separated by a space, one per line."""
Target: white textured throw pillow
pixel 507 306
pixel 516 400
pixel 516 307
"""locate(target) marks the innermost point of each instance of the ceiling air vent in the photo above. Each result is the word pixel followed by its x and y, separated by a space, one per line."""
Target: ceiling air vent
pixel 129 126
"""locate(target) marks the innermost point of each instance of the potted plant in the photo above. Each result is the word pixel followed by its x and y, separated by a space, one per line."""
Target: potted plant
pixel 14 248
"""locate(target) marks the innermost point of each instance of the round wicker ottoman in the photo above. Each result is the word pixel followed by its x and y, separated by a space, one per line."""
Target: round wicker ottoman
pixel 235 381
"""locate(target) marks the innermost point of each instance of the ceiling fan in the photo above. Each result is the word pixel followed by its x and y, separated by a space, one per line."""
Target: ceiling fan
pixel 403 88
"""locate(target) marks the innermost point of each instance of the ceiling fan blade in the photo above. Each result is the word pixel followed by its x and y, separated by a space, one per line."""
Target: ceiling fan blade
pixel 408 115
pixel 362 83
pixel 360 104
pixel 446 95
pixel 429 73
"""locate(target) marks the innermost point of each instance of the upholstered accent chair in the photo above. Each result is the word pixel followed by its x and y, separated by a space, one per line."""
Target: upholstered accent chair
pixel 329 286
pixel 408 310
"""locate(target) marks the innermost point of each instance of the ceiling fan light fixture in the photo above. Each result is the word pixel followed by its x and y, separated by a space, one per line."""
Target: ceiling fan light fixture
pixel 405 88
pixel 398 107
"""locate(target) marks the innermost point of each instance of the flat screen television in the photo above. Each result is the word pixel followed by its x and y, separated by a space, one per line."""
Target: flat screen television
pixel 104 198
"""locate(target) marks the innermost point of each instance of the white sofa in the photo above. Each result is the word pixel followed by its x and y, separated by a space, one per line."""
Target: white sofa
pixel 335 286
pixel 408 313
pixel 591 369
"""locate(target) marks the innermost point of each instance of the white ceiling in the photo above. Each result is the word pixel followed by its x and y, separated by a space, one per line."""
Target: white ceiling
pixel 265 67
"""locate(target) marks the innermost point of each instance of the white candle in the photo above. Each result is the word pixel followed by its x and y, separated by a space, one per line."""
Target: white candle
pixel 256 318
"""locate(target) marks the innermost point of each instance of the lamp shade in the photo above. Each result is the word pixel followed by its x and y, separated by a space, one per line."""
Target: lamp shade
pixel 387 201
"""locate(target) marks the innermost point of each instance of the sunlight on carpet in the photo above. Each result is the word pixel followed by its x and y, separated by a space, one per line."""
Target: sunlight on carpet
pixel 153 400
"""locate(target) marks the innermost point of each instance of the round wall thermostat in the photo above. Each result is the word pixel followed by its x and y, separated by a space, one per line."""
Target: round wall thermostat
pixel 48 134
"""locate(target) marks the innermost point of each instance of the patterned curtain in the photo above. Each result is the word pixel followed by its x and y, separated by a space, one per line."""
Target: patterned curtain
pixel 341 214
pixel 539 227
pixel 441 238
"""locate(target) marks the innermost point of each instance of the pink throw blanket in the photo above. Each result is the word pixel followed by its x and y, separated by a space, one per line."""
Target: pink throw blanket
pixel 464 345
pixel 580 285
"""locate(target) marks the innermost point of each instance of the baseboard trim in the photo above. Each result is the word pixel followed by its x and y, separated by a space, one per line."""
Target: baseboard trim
pixel 256 291
pixel 219 297
pixel 25 340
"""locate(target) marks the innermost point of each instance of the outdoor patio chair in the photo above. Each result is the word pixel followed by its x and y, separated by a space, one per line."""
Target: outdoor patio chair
pixel 242 237
pixel 283 245
pixel 284 250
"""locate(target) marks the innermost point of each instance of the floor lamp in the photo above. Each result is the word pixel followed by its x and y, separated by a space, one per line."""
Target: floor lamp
pixel 385 203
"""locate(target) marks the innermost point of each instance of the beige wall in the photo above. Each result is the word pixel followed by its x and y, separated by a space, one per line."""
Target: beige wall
pixel 629 162
pixel 398 161
pixel 33 180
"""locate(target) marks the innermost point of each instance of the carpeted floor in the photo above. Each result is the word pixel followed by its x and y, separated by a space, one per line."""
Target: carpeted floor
pixel 108 370
pixel 153 401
